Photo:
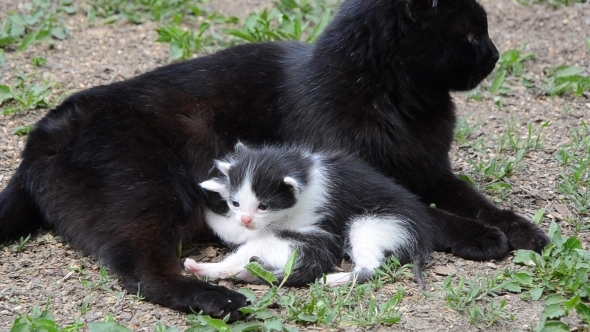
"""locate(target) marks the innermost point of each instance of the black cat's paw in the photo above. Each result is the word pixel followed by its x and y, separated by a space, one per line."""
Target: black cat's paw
pixel 490 243
pixel 522 233
pixel 219 302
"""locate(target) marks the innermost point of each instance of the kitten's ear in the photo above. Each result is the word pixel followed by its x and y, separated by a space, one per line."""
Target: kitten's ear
pixel 293 183
pixel 223 167
pixel 216 186
pixel 240 146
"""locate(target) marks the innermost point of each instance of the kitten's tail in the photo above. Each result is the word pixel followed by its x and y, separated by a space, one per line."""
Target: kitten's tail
pixel 19 215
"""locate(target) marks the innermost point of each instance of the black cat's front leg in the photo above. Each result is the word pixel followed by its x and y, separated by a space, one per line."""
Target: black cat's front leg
pixel 467 238
pixel 158 278
pixel 458 197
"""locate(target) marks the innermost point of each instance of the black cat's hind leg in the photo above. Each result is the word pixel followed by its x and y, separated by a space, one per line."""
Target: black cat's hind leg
pixel 157 276
pixel 468 238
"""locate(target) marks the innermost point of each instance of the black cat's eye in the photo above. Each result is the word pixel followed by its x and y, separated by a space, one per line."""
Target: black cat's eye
pixel 235 203
pixel 470 37
pixel 262 207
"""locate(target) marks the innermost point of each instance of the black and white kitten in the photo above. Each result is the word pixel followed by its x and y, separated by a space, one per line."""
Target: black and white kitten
pixel 327 204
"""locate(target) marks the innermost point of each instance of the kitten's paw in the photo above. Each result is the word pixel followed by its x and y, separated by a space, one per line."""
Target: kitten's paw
pixel 219 270
pixel 490 243
pixel 193 267
pixel 522 233
pixel 247 277
pixel 337 279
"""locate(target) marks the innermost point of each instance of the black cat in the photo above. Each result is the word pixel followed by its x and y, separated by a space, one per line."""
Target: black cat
pixel 115 169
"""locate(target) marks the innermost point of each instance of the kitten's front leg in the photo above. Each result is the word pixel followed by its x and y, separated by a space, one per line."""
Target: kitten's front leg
pixel 271 249
pixel 220 270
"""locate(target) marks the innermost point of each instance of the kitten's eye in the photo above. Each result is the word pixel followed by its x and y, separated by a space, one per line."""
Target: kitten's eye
pixel 235 203
pixel 470 37
pixel 262 207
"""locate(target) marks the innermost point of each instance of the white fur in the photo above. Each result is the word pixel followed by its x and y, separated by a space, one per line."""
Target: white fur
pixel 223 166
pixel 371 236
pixel 273 251
pixel 228 228
pixel 293 183
pixel 303 216
pixel 337 279
pixel 216 186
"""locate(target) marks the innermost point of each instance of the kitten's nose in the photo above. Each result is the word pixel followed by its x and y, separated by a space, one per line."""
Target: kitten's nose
pixel 246 219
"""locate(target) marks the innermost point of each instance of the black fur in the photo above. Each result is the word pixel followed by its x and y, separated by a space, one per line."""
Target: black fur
pixel 114 169
pixel 353 190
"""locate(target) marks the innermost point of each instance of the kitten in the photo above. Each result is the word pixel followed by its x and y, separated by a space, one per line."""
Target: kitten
pixel 115 169
pixel 327 204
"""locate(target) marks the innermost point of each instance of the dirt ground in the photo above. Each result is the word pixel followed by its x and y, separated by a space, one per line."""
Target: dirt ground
pixel 92 55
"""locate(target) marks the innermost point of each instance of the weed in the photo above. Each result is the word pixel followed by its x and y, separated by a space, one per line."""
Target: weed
pixel 162 328
pixel 496 168
pixel 510 67
pixel 21 242
pixel 22 130
pixel 463 130
pixel 183 43
pixel 301 20
pixel 42 320
pixel 391 270
pixel 538 217
pixel 139 11
pixel 139 295
pixel 467 297
pixel 2 58
pixel 40 21
pixel 25 93
pixel 512 141
pixel 564 79
pixel 85 305
pixel 103 279
pixel 38 61
pixel 575 158
pixel 560 273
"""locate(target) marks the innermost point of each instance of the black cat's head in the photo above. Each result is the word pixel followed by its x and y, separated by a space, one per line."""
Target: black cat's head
pixel 448 43
pixel 443 44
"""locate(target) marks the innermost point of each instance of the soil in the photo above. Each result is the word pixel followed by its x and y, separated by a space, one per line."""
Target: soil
pixel 99 54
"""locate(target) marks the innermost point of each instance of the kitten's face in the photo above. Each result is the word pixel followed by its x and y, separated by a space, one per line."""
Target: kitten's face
pixel 256 188
pixel 450 45
pixel 261 205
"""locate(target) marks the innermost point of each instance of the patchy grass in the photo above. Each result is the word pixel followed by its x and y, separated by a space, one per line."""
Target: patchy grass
pixel 40 21
pixel 301 20
pixel 475 299
pixel 25 92
pixel 558 276
pixel 567 79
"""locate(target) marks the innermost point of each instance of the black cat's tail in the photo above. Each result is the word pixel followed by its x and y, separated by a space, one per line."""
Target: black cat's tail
pixel 19 215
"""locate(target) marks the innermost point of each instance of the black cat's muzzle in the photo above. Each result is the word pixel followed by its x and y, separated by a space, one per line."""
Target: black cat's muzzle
pixel 488 55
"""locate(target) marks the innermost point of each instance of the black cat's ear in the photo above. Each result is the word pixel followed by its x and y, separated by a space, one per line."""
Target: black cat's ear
pixel 417 10
pixel 292 183
pixel 223 167
pixel 216 186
